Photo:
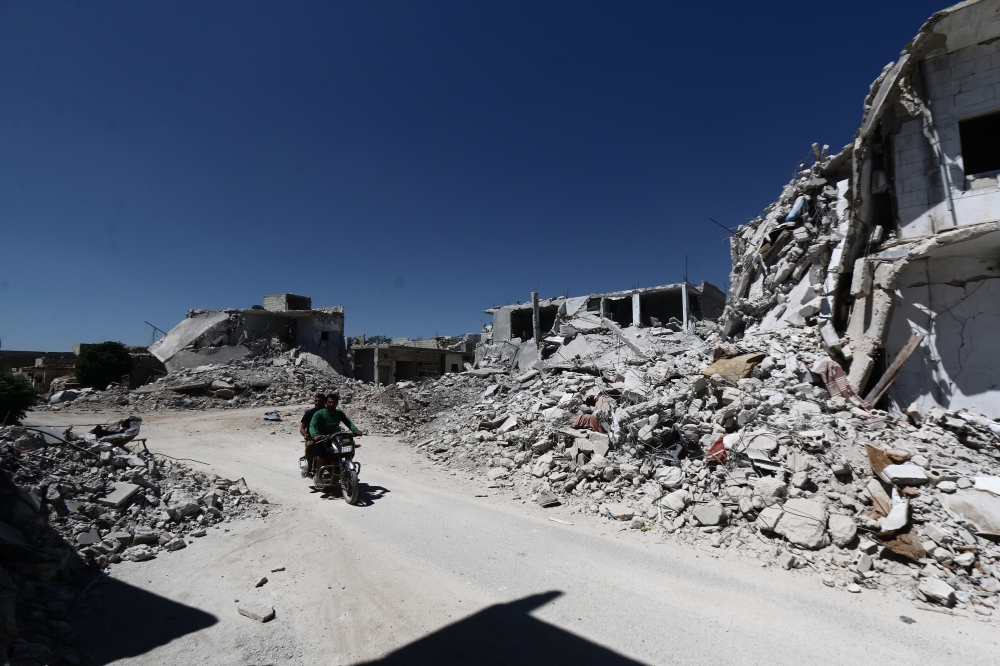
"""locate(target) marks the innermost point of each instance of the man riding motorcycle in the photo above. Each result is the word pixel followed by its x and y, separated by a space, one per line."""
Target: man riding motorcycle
pixel 325 422
pixel 319 402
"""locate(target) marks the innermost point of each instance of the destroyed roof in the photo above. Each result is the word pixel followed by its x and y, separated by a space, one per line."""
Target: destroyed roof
pixel 195 325
pixel 438 343
pixel 626 293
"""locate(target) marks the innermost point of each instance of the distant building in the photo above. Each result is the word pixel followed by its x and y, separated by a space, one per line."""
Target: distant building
pixel 285 320
pixel 649 306
pixel 406 359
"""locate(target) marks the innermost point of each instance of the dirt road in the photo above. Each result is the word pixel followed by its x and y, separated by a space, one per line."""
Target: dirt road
pixel 426 571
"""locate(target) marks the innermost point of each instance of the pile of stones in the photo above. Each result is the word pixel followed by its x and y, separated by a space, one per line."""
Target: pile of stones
pixel 71 506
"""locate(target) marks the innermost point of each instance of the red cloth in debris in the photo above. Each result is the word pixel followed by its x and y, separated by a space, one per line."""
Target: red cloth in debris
pixel 834 378
pixel 716 454
pixel 586 422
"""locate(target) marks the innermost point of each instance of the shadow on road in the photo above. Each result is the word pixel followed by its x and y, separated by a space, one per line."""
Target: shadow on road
pixel 367 494
pixel 505 634
pixel 371 494
pixel 123 621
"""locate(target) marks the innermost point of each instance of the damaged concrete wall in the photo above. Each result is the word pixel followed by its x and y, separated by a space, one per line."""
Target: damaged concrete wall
pixel 953 298
pixel 874 243
pixel 221 336
pixel 960 85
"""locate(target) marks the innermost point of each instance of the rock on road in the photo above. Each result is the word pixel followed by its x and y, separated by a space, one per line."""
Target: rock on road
pixel 424 571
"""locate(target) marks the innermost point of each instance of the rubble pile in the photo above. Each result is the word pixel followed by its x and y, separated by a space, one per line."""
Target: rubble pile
pixel 290 378
pixel 399 408
pixel 287 378
pixel 745 436
pixel 70 506
pixel 760 461
pixel 781 259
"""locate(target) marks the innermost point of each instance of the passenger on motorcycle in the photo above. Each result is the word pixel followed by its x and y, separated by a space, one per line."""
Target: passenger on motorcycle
pixel 319 402
pixel 325 422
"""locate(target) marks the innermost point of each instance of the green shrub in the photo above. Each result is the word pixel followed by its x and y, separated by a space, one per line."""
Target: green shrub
pixel 103 364
pixel 17 395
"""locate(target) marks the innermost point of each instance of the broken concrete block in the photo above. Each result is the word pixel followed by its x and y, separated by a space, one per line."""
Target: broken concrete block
pixel 803 523
pixel 527 376
pixel 980 509
pixel 182 503
pixel 121 536
pixel 618 511
pixel 709 514
pixel 175 544
pixel 496 473
pixel 600 443
pixel 965 559
pixel 554 413
pixel 547 498
pixel 139 553
pixel 864 563
pixel 259 613
pixel 88 538
pixel 120 494
pixel 937 591
pixel 787 560
pixel 842 529
pixel 770 489
pixel 904 475
pixel 509 424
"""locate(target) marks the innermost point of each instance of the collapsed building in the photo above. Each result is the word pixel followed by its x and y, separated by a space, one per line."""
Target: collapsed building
pixel 405 359
pixel 649 306
pixel 284 322
pixel 599 332
pixel 891 246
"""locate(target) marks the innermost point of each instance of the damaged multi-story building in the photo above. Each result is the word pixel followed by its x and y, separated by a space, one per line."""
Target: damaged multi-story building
pixel 648 306
pixel 893 244
pixel 284 321
pixel 598 332
pixel 403 359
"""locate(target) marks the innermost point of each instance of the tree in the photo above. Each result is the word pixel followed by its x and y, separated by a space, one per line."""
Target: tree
pixel 369 340
pixel 102 364
pixel 17 395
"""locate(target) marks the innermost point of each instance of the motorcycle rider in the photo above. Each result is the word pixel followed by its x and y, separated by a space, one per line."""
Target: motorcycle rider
pixel 319 402
pixel 327 421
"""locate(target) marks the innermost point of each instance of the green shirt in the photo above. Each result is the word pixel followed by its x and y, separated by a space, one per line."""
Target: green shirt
pixel 326 423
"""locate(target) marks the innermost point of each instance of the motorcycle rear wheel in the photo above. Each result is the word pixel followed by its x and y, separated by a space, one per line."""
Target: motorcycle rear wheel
pixel 349 486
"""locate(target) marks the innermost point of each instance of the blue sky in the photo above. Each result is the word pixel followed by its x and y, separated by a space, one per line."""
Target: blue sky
pixel 414 162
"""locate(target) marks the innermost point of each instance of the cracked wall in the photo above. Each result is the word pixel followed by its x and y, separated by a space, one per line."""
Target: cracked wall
pixel 955 302
pixel 961 84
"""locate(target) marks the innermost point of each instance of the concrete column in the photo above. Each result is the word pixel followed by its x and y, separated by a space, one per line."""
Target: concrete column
pixel 684 304
pixel 536 322
pixel 375 362
pixel 604 307
pixel 636 311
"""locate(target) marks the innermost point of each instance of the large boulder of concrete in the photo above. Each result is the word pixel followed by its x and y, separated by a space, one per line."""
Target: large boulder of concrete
pixel 803 523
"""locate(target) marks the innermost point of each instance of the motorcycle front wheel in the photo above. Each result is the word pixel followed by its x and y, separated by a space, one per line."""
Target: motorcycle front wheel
pixel 349 486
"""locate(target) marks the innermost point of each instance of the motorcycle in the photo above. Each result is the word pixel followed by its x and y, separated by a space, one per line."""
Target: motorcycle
pixel 340 469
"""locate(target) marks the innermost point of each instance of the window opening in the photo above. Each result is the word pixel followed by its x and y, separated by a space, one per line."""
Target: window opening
pixel 980 144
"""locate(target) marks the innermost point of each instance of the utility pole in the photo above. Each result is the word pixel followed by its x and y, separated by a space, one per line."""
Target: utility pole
pixel 537 324
pixel 684 294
